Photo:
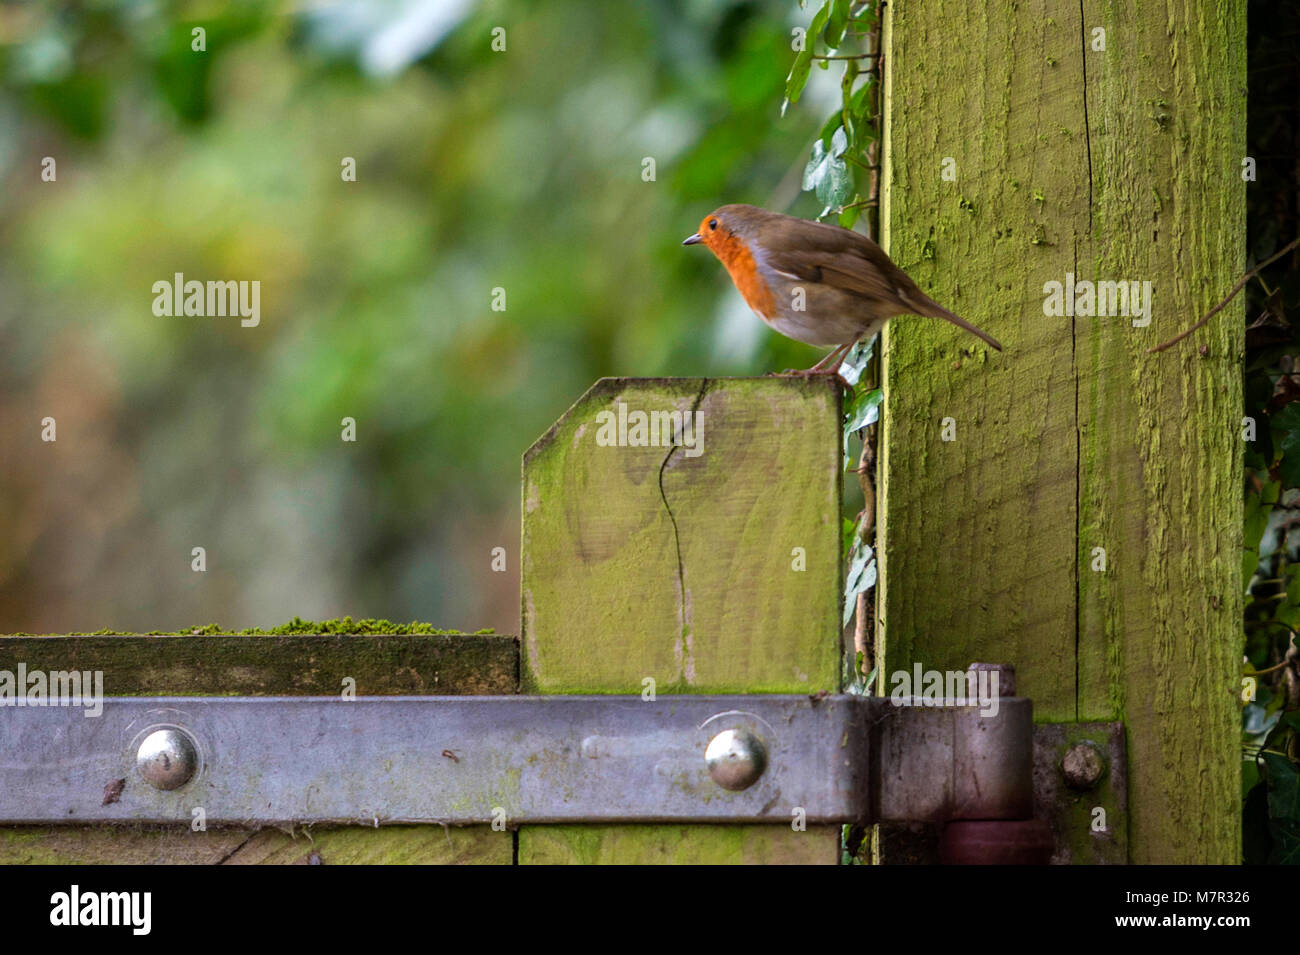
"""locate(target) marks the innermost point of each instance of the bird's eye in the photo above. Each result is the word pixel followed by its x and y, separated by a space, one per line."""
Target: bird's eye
pixel 713 223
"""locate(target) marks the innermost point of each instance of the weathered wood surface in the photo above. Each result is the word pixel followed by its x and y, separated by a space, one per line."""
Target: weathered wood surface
pixel 122 845
pixel 382 665
pixel 678 845
pixel 648 562
pixel 227 665
pixel 1122 164
pixel 643 562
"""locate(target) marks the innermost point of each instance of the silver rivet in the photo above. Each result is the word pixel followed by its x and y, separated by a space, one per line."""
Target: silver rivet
pixel 735 758
pixel 167 758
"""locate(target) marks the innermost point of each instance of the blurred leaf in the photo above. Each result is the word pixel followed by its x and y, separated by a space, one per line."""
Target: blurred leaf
pixel 859 108
pixel 1257 722
pixel 838 22
pixel 1249 774
pixel 828 129
pixel 1286 423
pixel 847 530
pixel 1283 781
pixel 1258 507
pixel 826 173
pixel 78 102
pixel 803 60
pixel 866 17
pixel 183 75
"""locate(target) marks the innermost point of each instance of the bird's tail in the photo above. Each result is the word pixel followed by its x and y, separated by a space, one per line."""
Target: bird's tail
pixel 928 306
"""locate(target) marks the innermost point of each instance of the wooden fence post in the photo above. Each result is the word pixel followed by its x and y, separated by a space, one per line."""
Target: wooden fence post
pixel 647 567
pixel 1084 520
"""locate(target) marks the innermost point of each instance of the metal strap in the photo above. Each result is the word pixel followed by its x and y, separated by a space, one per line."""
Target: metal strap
pixel 513 759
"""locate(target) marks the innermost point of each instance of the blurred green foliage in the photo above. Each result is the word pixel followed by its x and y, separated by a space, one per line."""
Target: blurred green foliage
pixel 1271 562
pixel 476 169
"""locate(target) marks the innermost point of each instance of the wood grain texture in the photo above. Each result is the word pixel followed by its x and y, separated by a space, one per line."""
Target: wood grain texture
pixel 126 845
pixel 679 845
pixel 1120 164
pixel 647 562
pixel 220 665
pixel 382 665
pixel 643 562
pixel 1161 454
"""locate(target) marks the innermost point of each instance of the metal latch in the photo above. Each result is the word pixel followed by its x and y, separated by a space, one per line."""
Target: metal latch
pixel 517 759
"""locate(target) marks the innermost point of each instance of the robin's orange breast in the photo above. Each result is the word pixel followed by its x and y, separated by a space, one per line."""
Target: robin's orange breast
pixel 735 255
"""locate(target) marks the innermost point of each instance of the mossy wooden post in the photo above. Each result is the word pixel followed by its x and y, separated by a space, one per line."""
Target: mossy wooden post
pixel 710 572
pixel 272 665
pixel 1084 524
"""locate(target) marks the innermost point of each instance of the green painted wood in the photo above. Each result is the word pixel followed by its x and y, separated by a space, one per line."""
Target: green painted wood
pixel 227 665
pixel 395 845
pixel 208 665
pixel 1161 474
pixel 1120 164
pixel 647 563
pixel 123 845
pixel 679 845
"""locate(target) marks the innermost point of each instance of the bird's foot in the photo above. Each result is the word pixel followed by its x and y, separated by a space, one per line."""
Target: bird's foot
pixel 833 372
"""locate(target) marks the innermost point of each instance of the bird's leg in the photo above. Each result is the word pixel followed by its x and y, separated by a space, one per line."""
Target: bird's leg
pixel 830 365
pixel 834 359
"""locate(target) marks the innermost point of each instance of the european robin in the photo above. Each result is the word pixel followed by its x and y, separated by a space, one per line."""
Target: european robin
pixel 813 282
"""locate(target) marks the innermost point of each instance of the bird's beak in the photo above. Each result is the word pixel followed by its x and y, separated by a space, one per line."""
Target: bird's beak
pixel 692 240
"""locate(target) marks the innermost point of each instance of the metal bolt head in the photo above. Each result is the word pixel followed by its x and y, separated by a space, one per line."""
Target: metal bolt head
pixel 735 758
pixel 1083 765
pixel 167 758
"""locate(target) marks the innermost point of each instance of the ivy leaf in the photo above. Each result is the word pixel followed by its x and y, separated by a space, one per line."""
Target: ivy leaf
pixel 862 577
pixel 865 410
pixel 828 174
pixel 830 126
pixel 1258 508
pixel 803 61
pixel 866 17
pixel 1249 775
pixel 1286 423
pixel 1283 781
pixel 838 22
pixel 1257 723
pixel 857 359
pixel 859 109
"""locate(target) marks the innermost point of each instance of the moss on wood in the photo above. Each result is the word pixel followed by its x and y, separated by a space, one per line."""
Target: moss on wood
pixel 228 665
pixel 1075 439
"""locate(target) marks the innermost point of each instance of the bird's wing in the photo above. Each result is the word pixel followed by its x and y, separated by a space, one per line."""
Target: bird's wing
pixel 847 261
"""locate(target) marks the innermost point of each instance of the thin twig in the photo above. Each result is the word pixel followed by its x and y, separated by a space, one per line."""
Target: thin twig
pixel 1231 295
pixel 1273 669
